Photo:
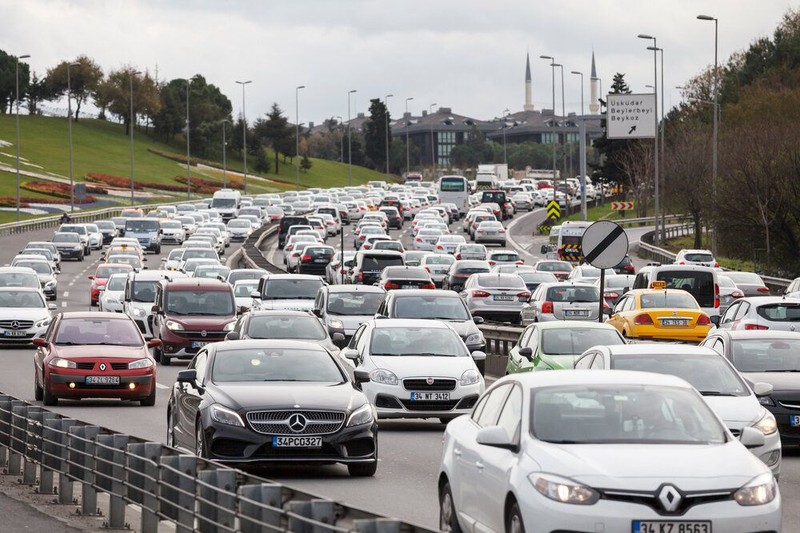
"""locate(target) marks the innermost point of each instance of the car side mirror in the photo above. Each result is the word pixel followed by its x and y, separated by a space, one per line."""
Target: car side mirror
pixel 338 339
pixel 233 336
pixel 608 311
pixel 154 343
pixel 91 277
pixel 40 342
pixel 496 437
pixel 526 352
pixel 544 249
pixel 478 355
pixel 187 376
pixel 361 376
pixel 155 309
pixel 317 312
pixel 762 389
pixel 751 437
pixel 255 294
pixel 350 353
pixel 52 307
pixel 715 319
pixel 478 319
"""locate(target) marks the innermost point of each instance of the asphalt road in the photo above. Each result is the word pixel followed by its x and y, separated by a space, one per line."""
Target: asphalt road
pixel 405 484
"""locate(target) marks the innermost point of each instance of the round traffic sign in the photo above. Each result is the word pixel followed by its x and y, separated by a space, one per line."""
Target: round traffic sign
pixel 605 244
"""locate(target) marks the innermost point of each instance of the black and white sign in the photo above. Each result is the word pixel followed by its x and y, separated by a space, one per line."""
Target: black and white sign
pixel 631 116
pixel 605 244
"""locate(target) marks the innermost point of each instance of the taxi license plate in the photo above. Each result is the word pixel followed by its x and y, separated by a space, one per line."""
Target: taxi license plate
pixel 576 313
pixel 14 333
pixel 198 344
pixel 430 396
pixel 794 421
pixel 297 442
pixel 102 380
pixel 674 322
pixel 503 297
pixel 664 526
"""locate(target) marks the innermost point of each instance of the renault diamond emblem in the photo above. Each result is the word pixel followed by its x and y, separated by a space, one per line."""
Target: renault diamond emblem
pixel 669 498
pixel 102 367
pixel 297 422
pixel 15 325
pixel 429 381
pixel 203 333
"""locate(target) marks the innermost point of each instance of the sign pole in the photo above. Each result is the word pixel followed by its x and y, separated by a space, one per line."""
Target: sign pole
pixel 600 317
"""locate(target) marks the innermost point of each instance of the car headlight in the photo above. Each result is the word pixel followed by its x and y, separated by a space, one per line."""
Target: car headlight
pixel 77 247
pixel 58 362
pixel 766 400
pixel 138 311
pixel 563 490
pixel 767 424
pixel 140 363
pixel 475 338
pixel 229 326
pixel 223 415
pixel 384 377
pixel 470 377
pixel 362 415
pixel 174 326
pixel 336 324
pixel 759 491
pixel 51 283
pixel 43 323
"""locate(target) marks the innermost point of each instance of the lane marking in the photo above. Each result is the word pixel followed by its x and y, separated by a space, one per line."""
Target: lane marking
pixel 65 295
pixel 63 304
pixel 163 387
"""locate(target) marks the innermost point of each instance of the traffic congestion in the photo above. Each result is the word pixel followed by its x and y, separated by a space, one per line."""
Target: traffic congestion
pixel 669 394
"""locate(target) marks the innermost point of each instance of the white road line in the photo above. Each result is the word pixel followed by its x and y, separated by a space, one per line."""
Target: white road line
pixel 63 304
pixel 160 386
pixel 65 295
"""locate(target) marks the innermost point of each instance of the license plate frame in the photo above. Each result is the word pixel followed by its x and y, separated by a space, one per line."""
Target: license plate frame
pixel 14 333
pixel 199 344
pixel 101 380
pixel 794 420
pixel 503 298
pixel 671 526
pixel 674 322
pixel 296 441
pixel 576 313
pixel 430 396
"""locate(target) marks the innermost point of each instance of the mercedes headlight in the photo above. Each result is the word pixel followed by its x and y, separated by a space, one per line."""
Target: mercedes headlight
pixel 174 326
pixel 767 424
pixel 223 415
pixel 51 283
pixel 140 363
pixel 384 377
pixel 759 491
pixel 43 323
pixel 58 362
pixel 336 324
pixel 229 326
pixel 470 377
pixel 475 338
pixel 563 490
pixel 139 312
pixel 362 415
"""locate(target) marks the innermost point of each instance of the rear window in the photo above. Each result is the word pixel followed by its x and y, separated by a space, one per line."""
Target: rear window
pixel 406 273
pixel 502 281
pixel 780 312
pixel 699 257
pixel 697 283
pixel 573 294
pixel 668 300
pixel 282 289
pixel 555 266
pixel 371 263
pixel 505 257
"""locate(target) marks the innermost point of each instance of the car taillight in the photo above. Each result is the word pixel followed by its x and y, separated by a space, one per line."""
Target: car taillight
pixel 703 320
pixel 418 239
pixel 492 263
pixel 461 275
pixel 753 327
pixel 643 319
pixel 289 248
pixel 458 256
pixel 524 295
pixel 716 264
pixel 547 307
pixel 480 294
pixel 716 296
pixel 763 289
pixel 682 263
pixel 390 285
pixel 428 285
pixel 737 294
pixel 439 247
pixel 306 258
pixel 343 271
pixel 360 277
pixel 610 294
pixel 519 263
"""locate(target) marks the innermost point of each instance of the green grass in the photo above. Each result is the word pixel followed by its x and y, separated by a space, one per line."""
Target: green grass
pixel 679 243
pixel 603 212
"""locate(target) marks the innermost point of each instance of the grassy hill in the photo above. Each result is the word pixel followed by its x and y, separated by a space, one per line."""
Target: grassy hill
pixel 102 147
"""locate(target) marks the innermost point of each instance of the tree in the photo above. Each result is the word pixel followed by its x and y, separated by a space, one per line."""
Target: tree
pixel 305 164
pixel 37 92
pixel 84 78
pixel 8 81
pixel 274 131
pixel 115 94
pixel 636 163
pixel 375 133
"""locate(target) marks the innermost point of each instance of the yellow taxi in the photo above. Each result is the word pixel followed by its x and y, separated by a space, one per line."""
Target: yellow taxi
pixel 123 249
pixel 660 313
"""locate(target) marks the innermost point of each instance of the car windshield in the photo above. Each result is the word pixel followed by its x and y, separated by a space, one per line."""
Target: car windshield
pixel 116 283
pixel 354 303
pixel 211 271
pixel 201 253
pixel 171 224
pixel 23 299
pixel 239 224
pixel 19 279
pixel 435 307
pixel 40 267
pixel 569 293
pixel 275 364
pixel 211 303
pixel 709 374
pixel 65 237
pixel 237 275
pixel 623 414
pixel 778 312
pixel 131 260
pixel 661 300
pixel 439 259
pixel 291 289
pixel 416 341
pixel 141 226
pixel 766 355
pixel 105 225
pixel 104 272
pixel 112 331
pixel 243 290
pixel 576 340
pixel 224 203
pixel 554 266
pixel 144 291
pixel 285 327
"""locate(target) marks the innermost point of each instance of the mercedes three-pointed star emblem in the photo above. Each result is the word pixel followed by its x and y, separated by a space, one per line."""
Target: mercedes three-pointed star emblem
pixel 297 422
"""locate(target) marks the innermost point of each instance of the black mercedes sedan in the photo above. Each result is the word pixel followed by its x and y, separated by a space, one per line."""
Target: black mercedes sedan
pixel 273 401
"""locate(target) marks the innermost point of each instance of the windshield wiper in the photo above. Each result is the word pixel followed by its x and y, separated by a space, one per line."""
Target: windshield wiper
pixel 782 370
pixel 69 343
pixel 382 353
pixel 715 393
pixel 214 314
pixel 428 354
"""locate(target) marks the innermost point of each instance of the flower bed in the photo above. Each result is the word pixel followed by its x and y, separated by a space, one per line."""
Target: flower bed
pixel 125 183
pixel 54 188
pixel 209 186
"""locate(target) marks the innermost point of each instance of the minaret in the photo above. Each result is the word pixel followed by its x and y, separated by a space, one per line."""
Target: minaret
pixel 594 105
pixel 528 86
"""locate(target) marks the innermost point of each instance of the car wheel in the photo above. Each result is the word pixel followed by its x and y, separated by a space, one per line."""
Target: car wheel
pixel 363 469
pixel 448 519
pixel 47 398
pixel 165 359
pixel 200 441
pixel 158 249
pixel 38 392
pixel 150 400
pixel 514 520
pixel 92 303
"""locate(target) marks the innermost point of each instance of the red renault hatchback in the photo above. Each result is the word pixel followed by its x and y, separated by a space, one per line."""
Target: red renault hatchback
pixel 94 355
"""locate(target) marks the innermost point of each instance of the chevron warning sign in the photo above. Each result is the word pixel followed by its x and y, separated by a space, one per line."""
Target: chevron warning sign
pixel 571 252
pixel 622 206
pixel 544 229
pixel 553 210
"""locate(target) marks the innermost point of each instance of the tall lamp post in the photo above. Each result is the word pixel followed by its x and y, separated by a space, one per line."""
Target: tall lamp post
pixel 349 146
pixel 16 98
pixel 224 156
pixel 244 133
pixel 386 105
pixel 581 75
pixel 553 70
pixel 188 157
pixel 69 126
pixel 341 140
pixel 715 147
pixel 505 125
pixel 131 74
pixel 433 147
pixel 582 155
pixel 408 124
pixel 663 143
pixel 655 49
pixel 297 134
pixel 563 136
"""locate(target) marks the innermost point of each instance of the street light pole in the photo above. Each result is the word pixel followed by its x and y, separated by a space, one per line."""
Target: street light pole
pixel 244 133
pixel 563 136
pixel 655 49
pixel 131 74
pixel 349 147
pixel 69 126
pixel 188 157
pixel 553 71
pixel 433 146
pixel 224 157
pixel 408 124
pixel 715 147
pixel 386 105
pixel 581 75
pixel 297 134
pixel 17 102
pixel 505 153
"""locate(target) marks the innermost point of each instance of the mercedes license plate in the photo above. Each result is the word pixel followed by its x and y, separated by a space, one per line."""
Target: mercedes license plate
pixel 102 380
pixel 297 442
pixel 430 396
pixel 580 313
pixel 198 344
pixel 503 298
pixel 671 526
pixel 794 421
pixel 674 322
pixel 14 333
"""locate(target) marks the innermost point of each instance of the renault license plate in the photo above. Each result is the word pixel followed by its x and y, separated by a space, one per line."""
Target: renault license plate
pixel 102 380
pixel 296 442
pixel 671 526
pixel 430 396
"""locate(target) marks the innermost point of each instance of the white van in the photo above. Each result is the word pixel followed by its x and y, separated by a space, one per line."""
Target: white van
pixel 226 202
pixel 699 281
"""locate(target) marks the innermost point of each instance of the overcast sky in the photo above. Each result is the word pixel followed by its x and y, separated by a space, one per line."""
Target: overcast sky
pixel 465 54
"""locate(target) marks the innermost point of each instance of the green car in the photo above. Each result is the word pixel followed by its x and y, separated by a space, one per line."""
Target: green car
pixel 556 345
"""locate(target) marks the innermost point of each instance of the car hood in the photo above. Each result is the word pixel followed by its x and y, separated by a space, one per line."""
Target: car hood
pixel 202 322
pixel 350 322
pixel 736 411
pixel 780 381
pixel 433 366
pixel 302 305
pixel 18 313
pixel 645 467
pixel 284 395
pixel 100 352
pixel 464 328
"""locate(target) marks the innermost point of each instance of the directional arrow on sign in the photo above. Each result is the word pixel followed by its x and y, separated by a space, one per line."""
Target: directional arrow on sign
pixel 553 210
pixel 630 131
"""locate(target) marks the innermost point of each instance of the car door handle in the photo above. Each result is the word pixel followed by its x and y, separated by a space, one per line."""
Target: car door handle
pixel 479 465
pixel 456 452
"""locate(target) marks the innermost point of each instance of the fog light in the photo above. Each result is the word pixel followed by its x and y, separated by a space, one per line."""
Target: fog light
pixel 771 458
pixel 132 386
pixel 71 385
pixel 170 348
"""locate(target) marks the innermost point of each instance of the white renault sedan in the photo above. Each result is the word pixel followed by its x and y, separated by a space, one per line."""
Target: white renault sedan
pixel 601 451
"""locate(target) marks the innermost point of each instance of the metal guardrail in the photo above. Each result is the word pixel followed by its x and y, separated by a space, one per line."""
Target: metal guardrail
pixel 649 221
pixel 251 250
pixel 192 493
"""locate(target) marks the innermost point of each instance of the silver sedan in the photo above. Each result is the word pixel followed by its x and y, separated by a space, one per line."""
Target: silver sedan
pixel 495 296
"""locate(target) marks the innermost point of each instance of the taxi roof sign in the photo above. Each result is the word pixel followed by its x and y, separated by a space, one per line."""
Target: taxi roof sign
pixel 658 284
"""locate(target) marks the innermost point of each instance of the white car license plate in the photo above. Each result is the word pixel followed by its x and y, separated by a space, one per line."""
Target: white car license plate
pixel 576 313
pixel 297 442
pixel 102 380
pixel 430 396
pixel 671 526
pixel 198 344
pixel 503 297
pixel 674 322
pixel 321 260
pixel 14 333
pixel 794 421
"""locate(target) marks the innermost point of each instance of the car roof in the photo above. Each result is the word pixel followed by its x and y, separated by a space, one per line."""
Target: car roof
pixel 595 377
pixel 278 312
pixel 771 334
pixel 658 348
pixel 271 277
pixel 409 323
pixel 154 275
pixel 255 344
pixel 357 288
pixel 187 284
pixel 762 300
pixel 94 314
pixel 573 324
pixel 17 289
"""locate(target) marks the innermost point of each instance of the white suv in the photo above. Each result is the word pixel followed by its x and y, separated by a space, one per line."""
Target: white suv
pixel 696 257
